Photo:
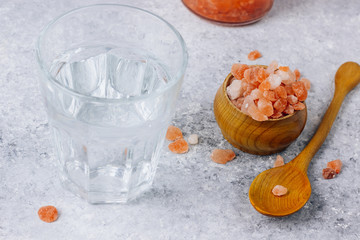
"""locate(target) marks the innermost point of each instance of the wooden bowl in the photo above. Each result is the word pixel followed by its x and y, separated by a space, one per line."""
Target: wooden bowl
pixel 251 136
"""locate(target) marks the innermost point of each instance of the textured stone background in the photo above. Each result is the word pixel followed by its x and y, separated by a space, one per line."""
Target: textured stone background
pixel 192 197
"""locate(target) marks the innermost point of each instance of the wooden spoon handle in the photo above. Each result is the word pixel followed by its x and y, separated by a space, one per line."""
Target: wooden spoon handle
pixel 303 159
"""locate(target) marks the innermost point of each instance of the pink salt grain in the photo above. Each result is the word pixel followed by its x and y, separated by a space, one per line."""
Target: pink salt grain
pixel 248 101
pixel 222 156
pixel 306 83
pixel 274 80
pixel 336 165
pixel 328 173
pixel 270 95
pixel 238 102
pixel 279 190
pixel 256 114
pixel 272 67
pixel 238 69
pixel 300 90
pixel 297 74
pixel 173 133
pixel 280 105
pixel 254 55
pixel 279 161
pixel 280 92
pixel 289 109
pixel 256 94
pixel 233 90
pixel 292 99
pixel 265 107
pixel 289 90
pixel 277 115
pixel 298 106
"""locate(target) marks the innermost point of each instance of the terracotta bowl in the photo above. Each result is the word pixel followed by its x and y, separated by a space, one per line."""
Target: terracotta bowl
pixel 251 136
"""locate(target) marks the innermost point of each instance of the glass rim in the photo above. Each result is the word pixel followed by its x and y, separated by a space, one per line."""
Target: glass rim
pixel 49 78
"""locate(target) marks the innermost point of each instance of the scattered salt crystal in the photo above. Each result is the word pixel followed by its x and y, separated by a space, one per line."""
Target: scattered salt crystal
pixel 193 139
pixel 233 90
pixel 328 173
pixel 222 156
pixel 279 161
pixel 173 133
pixel 336 165
pixel 279 190
pixel 254 55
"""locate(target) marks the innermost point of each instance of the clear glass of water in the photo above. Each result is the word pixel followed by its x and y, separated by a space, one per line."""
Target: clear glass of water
pixel 110 76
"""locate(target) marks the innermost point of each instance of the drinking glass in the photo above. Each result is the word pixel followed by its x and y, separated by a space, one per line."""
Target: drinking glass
pixel 110 76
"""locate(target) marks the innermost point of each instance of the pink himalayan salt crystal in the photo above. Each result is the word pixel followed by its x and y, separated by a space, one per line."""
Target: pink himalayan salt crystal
pixel 289 90
pixel 270 95
pixel 277 115
pixel 279 161
pixel 265 85
pixel 255 113
pixel 328 173
pixel 299 106
pixel 254 55
pixel 285 77
pixel 279 190
pixel 272 67
pixel 250 76
pixel 284 68
pixel 256 94
pixel 233 90
pixel 274 80
pixel 280 104
pixel 300 90
pixel 265 106
pixel 179 146
pixel 290 78
pixel 222 156
pixel 281 92
pixel 237 70
pixel 292 99
pixel 306 83
pixel 173 133
pixel 289 109
pixel 261 75
pixel 238 102
pixel 297 74
pixel 336 165
pixel 248 101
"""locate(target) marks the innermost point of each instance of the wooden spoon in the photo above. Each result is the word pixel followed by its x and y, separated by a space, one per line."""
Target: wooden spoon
pixel 293 175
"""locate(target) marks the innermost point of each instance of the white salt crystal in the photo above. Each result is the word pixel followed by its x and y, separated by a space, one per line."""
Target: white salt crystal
pixel 233 90
pixel 274 80
pixel 193 139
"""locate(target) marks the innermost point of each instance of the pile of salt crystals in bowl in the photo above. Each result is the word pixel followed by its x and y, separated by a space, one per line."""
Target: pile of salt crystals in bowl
pixel 267 93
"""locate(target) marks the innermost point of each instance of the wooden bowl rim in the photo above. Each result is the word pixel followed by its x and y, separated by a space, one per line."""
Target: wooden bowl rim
pixel 226 83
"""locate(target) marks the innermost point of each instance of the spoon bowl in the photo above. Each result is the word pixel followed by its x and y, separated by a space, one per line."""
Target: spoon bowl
pixel 289 176
pixel 293 175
